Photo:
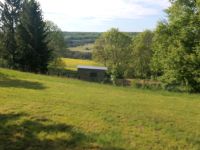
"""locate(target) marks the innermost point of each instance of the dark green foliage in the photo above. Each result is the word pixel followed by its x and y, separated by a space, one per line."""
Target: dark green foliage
pixel 34 53
pixel 2 60
pixel 9 18
pixel 176 49
pixel 23 42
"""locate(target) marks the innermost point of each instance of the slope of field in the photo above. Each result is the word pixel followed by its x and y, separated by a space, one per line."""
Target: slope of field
pixel 40 112
pixel 71 64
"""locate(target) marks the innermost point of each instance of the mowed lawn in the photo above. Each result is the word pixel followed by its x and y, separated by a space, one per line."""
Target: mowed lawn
pixel 49 113
pixel 71 64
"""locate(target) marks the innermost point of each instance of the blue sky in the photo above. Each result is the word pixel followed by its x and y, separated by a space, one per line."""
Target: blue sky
pixel 101 15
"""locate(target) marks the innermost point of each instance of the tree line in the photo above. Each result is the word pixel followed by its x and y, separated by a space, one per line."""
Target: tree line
pixel 170 54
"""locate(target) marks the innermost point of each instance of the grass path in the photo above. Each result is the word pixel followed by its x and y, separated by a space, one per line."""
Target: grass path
pixel 40 112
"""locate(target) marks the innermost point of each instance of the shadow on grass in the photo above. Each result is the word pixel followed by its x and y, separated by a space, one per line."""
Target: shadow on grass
pixel 20 131
pixel 6 81
pixel 17 133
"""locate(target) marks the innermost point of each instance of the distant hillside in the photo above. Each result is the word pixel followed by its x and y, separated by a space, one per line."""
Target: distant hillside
pixel 74 39
pixel 80 44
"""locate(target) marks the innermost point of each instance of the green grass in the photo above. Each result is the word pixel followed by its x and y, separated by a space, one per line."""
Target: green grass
pixel 71 64
pixel 40 112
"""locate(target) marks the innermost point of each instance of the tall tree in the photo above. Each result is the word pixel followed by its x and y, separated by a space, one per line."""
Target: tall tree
pixel 113 50
pixel 1 51
pixel 32 39
pixel 142 54
pixel 9 11
pixel 177 42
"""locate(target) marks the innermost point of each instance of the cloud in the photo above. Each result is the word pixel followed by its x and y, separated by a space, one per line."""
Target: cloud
pixel 97 12
pixel 163 4
pixel 74 13
pixel 101 9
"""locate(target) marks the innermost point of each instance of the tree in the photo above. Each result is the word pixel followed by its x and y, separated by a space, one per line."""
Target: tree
pixel 142 54
pixel 34 54
pixel 176 49
pixel 2 60
pixel 9 11
pixel 113 50
pixel 56 41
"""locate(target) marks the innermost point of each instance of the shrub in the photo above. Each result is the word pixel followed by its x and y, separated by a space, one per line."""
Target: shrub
pixel 56 67
pixel 147 84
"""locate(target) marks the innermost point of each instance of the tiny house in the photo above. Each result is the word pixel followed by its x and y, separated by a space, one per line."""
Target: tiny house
pixel 92 73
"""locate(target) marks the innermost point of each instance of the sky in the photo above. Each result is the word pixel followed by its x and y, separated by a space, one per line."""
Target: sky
pixel 101 15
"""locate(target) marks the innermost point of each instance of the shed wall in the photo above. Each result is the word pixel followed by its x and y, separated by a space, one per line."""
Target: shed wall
pixel 91 74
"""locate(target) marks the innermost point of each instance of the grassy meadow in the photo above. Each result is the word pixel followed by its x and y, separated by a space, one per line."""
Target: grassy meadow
pixel 41 112
pixel 71 64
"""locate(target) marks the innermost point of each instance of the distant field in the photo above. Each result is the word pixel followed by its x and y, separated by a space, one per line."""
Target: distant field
pixel 83 48
pixel 74 39
pixel 48 113
pixel 80 44
pixel 71 64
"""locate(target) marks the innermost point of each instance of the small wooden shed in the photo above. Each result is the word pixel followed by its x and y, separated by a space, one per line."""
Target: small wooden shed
pixel 92 73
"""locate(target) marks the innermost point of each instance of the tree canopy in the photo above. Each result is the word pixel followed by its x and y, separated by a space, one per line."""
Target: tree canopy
pixel 112 49
pixel 9 19
pixel 176 46
pixel 23 39
pixel 31 37
pixel 55 38
pixel 142 54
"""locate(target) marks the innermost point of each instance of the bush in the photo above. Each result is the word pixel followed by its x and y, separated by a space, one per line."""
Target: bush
pixel 57 67
pixel 147 84
pixel 122 82
pixel 176 88
pixel 3 63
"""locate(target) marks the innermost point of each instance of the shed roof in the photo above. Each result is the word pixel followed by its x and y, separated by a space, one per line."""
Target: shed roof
pixel 92 67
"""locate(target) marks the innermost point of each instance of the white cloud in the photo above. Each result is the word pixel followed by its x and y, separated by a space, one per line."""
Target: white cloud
pixel 97 12
pixel 161 3
pixel 101 9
